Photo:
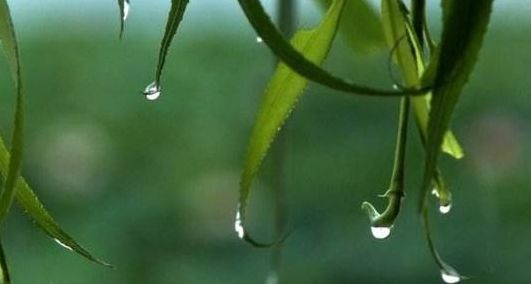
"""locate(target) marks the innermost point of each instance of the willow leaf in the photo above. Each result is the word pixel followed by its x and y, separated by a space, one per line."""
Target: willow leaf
pixel 124 6
pixel 360 26
pixel 36 211
pixel 265 28
pixel 465 24
pixel 178 7
pixel 4 269
pixel 400 36
pixel 280 97
pixel 9 44
pixel 448 273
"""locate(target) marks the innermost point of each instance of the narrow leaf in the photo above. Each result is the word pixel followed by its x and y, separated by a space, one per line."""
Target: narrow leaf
pixel 448 273
pixel 124 6
pixel 465 24
pixel 400 36
pixel 177 9
pixel 38 214
pixel 265 28
pixel 280 97
pixel 359 26
pixel 9 44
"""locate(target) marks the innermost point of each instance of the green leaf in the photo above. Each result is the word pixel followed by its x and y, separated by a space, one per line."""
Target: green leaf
pixel 400 36
pixel 9 44
pixel 448 273
pixel 4 269
pixel 465 24
pixel 177 9
pixel 36 211
pixel 359 26
pixel 124 6
pixel 280 97
pixel 265 28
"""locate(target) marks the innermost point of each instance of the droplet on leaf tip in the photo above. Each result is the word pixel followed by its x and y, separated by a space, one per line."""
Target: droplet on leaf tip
pixel 450 278
pixel 152 91
pixel 380 232
pixel 126 10
pixel 238 226
pixel 444 209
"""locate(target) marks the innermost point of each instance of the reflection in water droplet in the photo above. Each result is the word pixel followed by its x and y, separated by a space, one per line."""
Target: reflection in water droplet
pixel 380 232
pixel 63 245
pixel 450 278
pixel 152 91
pixel 435 192
pixel 238 227
pixel 445 208
pixel 126 10
pixel 395 86
pixel 259 39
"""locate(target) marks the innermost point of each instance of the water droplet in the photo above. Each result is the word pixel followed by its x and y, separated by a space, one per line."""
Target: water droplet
pixel 238 226
pixel 259 39
pixel 450 278
pixel 63 244
pixel 444 209
pixel 126 10
pixel 152 91
pixel 380 232
pixel 396 87
pixel 435 192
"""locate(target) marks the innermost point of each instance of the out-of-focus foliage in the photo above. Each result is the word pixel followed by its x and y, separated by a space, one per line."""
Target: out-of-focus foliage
pixel 152 186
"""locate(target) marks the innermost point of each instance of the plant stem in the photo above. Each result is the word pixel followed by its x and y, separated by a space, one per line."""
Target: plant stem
pixel 418 8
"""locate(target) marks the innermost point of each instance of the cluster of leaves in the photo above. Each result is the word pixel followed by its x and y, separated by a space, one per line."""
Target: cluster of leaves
pixel 433 76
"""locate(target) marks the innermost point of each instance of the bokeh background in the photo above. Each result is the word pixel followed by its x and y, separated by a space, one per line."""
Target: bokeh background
pixel 152 186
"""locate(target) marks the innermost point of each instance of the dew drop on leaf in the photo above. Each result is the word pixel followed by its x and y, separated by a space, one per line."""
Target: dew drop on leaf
pixel 63 244
pixel 444 209
pixel 152 91
pixel 126 10
pixel 238 227
pixel 380 232
pixel 450 278
pixel 259 39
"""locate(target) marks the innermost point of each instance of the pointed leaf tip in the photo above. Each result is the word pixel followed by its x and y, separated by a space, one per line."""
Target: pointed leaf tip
pixel 10 46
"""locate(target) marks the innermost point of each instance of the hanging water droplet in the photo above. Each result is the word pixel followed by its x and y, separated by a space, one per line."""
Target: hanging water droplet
pixel 380 232
pixel 152 91
pixel 450 278
pixel 126 10
pixel 238 226
pixel 444 209
pixel 259 39
pixel 63 244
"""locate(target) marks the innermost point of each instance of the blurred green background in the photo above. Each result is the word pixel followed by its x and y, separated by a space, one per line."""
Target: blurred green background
pixel 152 186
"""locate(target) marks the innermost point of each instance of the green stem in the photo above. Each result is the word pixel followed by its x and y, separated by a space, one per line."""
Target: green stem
pixel 395 193
pixel 418 8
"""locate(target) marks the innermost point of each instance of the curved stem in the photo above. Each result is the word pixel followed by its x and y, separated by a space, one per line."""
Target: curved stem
pixel 262 24
pixel 395 193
